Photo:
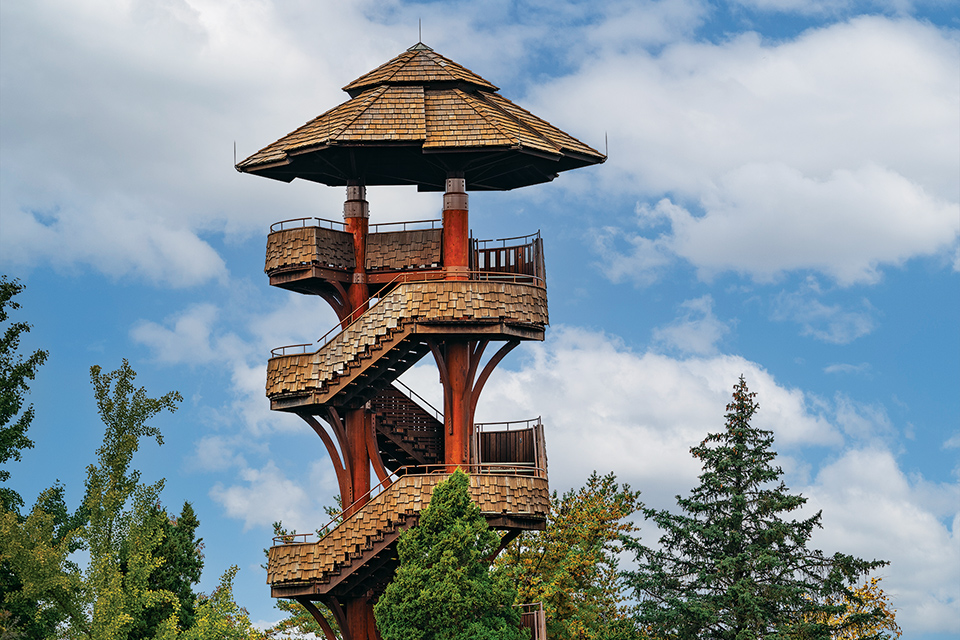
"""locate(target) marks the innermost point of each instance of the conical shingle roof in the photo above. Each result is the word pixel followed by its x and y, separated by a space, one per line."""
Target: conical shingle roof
pixel 416 119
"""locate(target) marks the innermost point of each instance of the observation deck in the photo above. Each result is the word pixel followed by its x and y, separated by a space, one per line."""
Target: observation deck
pixel 316 256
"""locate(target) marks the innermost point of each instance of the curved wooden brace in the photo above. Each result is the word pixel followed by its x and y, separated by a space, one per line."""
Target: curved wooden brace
pixel 318 616
pixel 340 615
pixel 444 378
pixel 373 452
pixel 338 304
pixel 340 464
pixel 485 374
pixel 475 354
pixel 333 417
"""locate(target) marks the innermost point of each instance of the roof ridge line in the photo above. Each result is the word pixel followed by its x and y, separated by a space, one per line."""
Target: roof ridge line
pixel 368 102
pixel 505 134
pixel 529 129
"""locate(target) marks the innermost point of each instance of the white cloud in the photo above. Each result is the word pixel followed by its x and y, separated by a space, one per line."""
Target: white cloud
pixel 696 331
pixel 197 336
pixel 610 409
pixel 819 153
pixel 843 367
pixel 834 324
pixel 872 510
pixel 267 495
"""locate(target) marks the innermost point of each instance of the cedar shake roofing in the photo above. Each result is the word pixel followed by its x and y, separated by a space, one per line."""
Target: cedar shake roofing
pixel 417 119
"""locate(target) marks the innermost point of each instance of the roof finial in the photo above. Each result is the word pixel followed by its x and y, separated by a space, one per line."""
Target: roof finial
pixel 420 46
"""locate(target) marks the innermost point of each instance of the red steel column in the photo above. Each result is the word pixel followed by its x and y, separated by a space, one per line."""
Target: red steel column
pixel 356 214
pixel 456 261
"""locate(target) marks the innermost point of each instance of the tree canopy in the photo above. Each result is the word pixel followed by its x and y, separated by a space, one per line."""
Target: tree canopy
pixel 445 588
pixel 572 566
pixel 15 372
pixel 729 566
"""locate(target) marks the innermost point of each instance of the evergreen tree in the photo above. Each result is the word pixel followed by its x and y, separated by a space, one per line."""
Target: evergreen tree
pixel 444 588
pixel 181 553
pixel 730 566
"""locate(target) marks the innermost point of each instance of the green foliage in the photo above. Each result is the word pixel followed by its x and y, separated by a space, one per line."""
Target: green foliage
pixel 218 617
pixel 182 563
pixel 445 588
pixel 125 528
pixel 42 587
pixel 730 566
pixel 14 374
pixel 571 566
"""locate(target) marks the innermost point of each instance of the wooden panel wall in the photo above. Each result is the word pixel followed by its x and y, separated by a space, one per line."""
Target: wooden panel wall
pixel 309 245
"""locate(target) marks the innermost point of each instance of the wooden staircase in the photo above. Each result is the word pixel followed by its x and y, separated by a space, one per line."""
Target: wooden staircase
pixel 358 557
pixel 407 434
pixel 357 363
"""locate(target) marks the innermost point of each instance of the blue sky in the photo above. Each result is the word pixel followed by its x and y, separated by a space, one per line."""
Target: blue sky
pixel 781 199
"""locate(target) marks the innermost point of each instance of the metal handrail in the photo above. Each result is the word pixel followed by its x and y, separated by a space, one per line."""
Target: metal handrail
pixel 503 241
pixel 527 424
pixel 404 223
pixel 282 351
pixel 303 223
pixel 414 470
pixel 413 395
pixel 403 278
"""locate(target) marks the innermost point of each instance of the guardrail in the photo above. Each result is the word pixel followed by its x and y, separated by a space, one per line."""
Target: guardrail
pixel 298 223
pixel 527 239
pixel 432 222
pixel 416 397
pixel 527 424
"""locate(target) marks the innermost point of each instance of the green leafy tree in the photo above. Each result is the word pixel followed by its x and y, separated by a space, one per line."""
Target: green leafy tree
pixel 42 586
pixel 38 585
pixel 125 529
pixel 218 617
pixel 572 567
pixel 15 372
pixel 444 588
pixel 730 566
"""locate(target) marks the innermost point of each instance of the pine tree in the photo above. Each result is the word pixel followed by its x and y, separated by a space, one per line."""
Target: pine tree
pixel 444 588
pixel 730 566
pixel 182 557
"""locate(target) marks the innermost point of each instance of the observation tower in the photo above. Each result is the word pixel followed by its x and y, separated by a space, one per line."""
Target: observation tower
pixel 402 291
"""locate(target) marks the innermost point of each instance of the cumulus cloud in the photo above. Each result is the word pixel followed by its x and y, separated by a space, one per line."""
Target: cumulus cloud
pixel 818 153
pixel 871 508
pixel 832 323
pixel 198 336
pixel 267 495
pixel 609 408
pixel 696 331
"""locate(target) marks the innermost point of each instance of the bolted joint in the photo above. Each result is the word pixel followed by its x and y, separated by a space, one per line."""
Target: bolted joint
pixel 356 205
pixel 455 196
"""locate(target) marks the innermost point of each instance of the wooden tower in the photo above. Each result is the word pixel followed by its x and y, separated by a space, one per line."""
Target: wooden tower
pixel 402 291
